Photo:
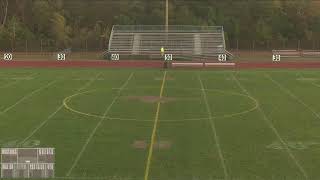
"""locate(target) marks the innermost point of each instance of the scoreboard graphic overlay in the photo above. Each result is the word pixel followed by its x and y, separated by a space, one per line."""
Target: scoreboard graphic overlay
pixel 27 162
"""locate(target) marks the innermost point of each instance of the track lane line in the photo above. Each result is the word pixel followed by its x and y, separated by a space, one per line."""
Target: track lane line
pixel 154 130
pixel 274 130
pixel 84 147
pixel 214 130
pixel 56 111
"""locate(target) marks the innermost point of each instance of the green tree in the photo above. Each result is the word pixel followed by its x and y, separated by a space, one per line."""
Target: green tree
pixel 60 31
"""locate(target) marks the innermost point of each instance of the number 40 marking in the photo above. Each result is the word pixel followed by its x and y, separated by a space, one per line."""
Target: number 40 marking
pixel 222 57
pixel 7 56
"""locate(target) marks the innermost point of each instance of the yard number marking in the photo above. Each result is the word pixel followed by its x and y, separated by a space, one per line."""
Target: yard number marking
pixel 115 57
pixel 61 57
pixel 222 57
pixel 7 56
pixel 168 57
pixel 276 58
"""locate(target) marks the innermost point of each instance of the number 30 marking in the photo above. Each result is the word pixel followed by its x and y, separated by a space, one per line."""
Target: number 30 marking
pixel 276 58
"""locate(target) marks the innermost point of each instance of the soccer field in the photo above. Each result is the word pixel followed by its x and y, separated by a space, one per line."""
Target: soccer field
pixel 175 124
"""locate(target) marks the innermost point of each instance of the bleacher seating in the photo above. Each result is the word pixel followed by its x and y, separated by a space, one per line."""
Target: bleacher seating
pixel 296 53
pixel 206 42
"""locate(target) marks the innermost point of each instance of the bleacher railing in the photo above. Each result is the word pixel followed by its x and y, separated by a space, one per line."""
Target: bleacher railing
pixel 171 28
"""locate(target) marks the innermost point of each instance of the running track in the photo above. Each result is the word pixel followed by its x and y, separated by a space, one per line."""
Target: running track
pixel 150 64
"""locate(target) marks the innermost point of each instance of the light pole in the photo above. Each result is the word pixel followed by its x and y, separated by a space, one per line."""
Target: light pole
pixel 167 15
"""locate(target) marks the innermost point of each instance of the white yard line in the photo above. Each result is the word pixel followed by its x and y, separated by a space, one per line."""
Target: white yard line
pixel 56 111
pixel 97 178
pixel 275 131
pixel 16 81
pixel 291 94
pixel 313 83
pixel 214 131
pixel 27 96
pixel 78 157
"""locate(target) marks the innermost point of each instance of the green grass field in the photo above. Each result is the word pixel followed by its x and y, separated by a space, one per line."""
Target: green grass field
pixel 244 125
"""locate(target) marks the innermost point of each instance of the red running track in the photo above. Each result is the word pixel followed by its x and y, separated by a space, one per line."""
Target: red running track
pixel 284 65
pixel 82 64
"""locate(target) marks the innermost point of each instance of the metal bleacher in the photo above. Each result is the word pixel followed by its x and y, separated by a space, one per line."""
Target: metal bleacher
pixel 194 42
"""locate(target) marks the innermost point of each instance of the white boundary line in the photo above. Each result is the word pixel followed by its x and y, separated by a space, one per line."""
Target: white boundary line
pixel 250 71
pixel 275 131
pixel 56 111
pixel 313 83
pixel 16 81
pixel 288 92
pixel 27 96
pixel 213 128
pixel 192 177
pixel 186 64
pixel 75 162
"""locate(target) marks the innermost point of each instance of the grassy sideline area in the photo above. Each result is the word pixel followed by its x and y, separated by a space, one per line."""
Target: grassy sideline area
pixel 222 124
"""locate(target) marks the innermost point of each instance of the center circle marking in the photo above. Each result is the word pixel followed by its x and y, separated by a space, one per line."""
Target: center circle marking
pixel 72 109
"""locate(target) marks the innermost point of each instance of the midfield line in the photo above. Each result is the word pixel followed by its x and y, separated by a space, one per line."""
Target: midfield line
pixel 75 162
pixel 27 96
pixel 154 130
pixel 214 131
pixel 275 131
pixel 291 94
pixel 56 111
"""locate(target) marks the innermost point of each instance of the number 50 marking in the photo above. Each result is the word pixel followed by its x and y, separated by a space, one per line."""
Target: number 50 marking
pixel 115 57
pixel 168 57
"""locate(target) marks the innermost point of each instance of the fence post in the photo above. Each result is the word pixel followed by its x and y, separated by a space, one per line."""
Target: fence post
pixel 313 44
pixel 238 47
pixel 41 45
pixel 86 45
pixel 48 44
pixel 12 48
pixel 299 43
pixel 253 45
pixel 26 43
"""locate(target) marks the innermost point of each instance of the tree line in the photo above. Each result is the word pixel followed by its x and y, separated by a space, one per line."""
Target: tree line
pixel 83 23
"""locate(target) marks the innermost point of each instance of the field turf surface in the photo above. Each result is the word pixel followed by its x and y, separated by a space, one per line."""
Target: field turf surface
pixel 175 124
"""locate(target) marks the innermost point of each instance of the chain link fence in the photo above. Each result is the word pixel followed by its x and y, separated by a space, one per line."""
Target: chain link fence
pixel 94 49
pixel 53 46
pixel 254 45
